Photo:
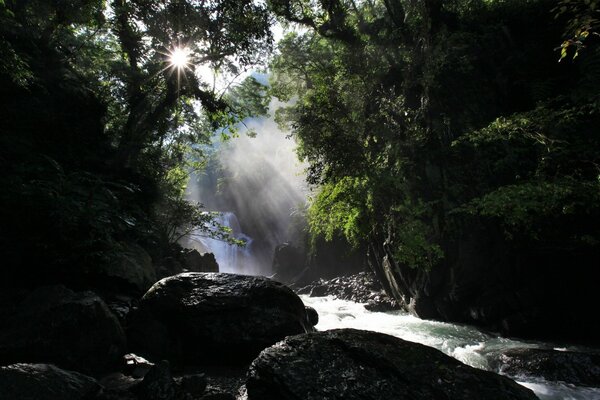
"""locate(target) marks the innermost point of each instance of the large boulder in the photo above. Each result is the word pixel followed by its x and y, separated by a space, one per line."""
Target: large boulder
pixel 44 382
pixel 553 365
pixel 352 364
pixel 56 325
pixel 131 271
pixel 214 318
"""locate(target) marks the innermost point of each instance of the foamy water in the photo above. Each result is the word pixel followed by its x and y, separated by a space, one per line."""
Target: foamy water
pixel 465 343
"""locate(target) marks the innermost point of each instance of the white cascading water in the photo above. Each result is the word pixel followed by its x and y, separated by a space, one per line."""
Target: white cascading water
pixel 231 258
pixel 465 343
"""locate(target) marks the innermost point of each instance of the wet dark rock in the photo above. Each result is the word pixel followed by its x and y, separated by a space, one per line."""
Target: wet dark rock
pixel 118 382
pixel 132 270
pixel 217 395
pixel 136 366
pixel 352 364
pixel 319 291
pixel 566 366
pixel 120 305
pixel 158 384
pixel 312 316
pixel 214 395
pixel 207 318
pixel 194 385
pixel 382 304
pixel 44 382
pixel 360 288
pixel 288 263
pixel 56 325
pixel 193 261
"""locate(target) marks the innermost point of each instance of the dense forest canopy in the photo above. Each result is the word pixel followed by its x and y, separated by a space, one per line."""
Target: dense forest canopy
pixel 422 118
pixel 419 120
pixel 98 123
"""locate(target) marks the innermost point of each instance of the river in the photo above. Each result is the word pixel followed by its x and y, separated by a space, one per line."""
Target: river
pixel 465 343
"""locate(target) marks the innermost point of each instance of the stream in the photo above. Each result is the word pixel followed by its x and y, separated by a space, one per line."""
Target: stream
pixel 465 343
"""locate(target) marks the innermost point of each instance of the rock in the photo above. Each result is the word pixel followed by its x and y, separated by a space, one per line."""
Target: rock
pixel 288 262
pixel 352 364
pixel 44 382
pixel 56 325
pixel 360 288
pixel 119 305
pixel 312 316
pixel 318 291
pixel 168 266
pixel 206 318
pixel 194 385
pixel 132 271
pixel 193 261
pixel 566 366
pixel 118 382
pixel 218 396
pixel 380 304
pixel 136 366
pixel 158 384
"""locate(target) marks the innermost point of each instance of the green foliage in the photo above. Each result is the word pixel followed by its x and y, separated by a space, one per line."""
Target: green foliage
pixel 99 132
pixel 420 118
pixel 342 207
pixel 584 21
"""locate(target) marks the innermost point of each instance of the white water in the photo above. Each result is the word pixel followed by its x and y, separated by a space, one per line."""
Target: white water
pixel 231 258
pixel 464 343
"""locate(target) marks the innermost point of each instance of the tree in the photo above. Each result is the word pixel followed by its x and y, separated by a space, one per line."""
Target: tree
pixel 389 95
pixel 98 123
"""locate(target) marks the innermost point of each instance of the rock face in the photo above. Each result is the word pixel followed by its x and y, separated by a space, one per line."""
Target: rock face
pixel 352 364
pixel 158 384
pixel 134 269
pixel 288 262
pixel 56 325
pixel 486 281
pixel 204 318
pixel 552 365
pixel 193 261
pixel 44 382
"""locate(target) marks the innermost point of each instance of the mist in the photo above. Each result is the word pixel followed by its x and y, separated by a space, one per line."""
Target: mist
pixel 259 185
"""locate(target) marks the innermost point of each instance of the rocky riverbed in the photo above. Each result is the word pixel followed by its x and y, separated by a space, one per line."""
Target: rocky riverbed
pixel 213 336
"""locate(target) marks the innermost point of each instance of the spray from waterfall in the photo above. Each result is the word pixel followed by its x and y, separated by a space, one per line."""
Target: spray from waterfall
pixel 259 186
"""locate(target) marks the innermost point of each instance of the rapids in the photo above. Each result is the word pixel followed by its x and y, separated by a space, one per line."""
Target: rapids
pixel 465 343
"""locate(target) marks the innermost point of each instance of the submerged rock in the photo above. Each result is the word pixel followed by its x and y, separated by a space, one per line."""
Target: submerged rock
pixel 56 325
pixel 44 382
pixel 566 366
pixel 352 364
pixel 214 318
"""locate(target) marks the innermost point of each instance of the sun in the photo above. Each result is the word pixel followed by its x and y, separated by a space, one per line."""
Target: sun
pixel 179 58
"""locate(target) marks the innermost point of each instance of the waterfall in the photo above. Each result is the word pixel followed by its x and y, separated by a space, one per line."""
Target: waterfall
pixel 259 180
pixel 231 258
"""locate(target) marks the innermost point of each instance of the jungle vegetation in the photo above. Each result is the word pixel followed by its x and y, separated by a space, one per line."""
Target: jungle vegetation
pixel 417 119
